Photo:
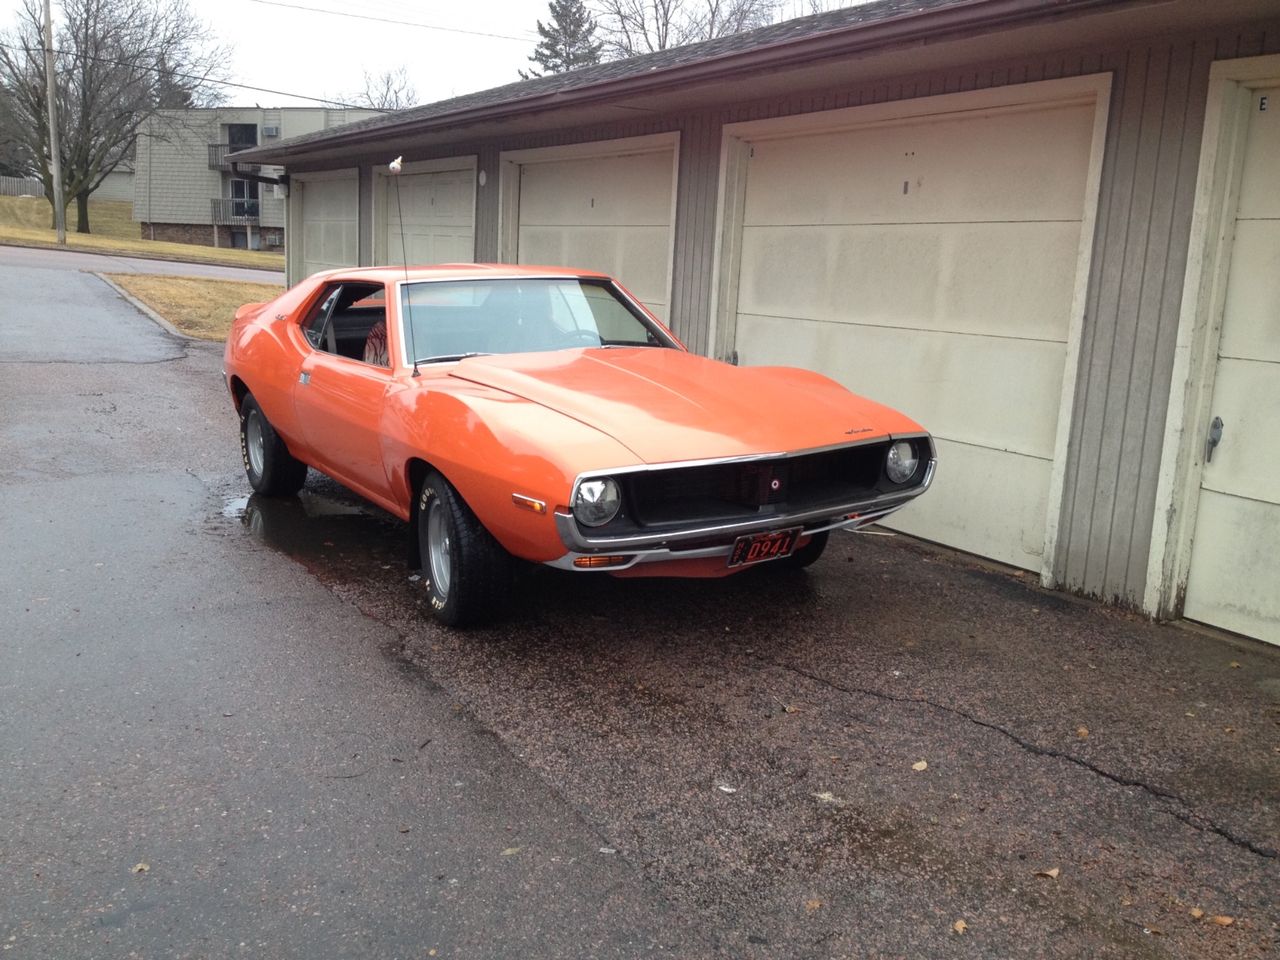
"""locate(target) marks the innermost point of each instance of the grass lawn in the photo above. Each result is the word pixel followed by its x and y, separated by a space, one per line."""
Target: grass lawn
pixel 197 306
pixel 24 222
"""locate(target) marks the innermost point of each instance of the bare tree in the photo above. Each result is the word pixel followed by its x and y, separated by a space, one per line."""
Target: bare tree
pixel 389 90
pixel 14 161
pixel 633 27
pixel 118 63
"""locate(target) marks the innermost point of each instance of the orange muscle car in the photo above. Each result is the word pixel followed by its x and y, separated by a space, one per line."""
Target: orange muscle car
pixel 545 414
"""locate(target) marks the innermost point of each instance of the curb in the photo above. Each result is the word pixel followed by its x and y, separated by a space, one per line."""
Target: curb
pixel 145 310
pixel 158 257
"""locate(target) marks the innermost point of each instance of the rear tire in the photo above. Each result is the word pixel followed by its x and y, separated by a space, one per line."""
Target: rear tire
pixel 272 470
pixel 806 555
pixel 466 572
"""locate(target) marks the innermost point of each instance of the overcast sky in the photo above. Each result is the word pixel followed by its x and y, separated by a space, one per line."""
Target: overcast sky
pixel 296 47
pixel 286 45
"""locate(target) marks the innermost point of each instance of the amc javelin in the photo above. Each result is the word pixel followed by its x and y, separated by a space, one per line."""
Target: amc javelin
pixel 544 414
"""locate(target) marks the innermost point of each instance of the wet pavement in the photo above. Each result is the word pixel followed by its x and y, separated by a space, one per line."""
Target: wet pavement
pixel 844 763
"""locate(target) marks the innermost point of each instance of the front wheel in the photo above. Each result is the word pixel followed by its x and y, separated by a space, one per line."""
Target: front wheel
pixel 466 571
pixel 271 468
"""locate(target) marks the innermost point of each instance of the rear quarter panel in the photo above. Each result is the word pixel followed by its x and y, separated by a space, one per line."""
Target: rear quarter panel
pixel 263 352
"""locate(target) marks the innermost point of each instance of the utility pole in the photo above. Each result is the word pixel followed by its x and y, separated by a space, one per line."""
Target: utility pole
pixel 55 151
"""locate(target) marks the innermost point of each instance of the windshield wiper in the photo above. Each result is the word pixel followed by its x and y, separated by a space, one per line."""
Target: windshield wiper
pixel 449 357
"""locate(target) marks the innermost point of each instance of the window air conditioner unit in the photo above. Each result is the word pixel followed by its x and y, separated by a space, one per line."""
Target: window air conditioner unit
pixel 271 131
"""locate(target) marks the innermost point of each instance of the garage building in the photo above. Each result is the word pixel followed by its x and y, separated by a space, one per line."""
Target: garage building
pixel 1046 229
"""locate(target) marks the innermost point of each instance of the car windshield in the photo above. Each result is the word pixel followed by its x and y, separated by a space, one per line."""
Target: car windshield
pixel 449 320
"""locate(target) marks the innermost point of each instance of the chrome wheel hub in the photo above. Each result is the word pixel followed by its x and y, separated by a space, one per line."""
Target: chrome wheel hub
pixel 438 547
pixel 253 441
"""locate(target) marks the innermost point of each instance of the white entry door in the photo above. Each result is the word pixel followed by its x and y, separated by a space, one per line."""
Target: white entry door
pixel 1234 578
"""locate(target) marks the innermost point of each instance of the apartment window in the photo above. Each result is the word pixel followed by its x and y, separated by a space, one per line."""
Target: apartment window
pixel 244 196
pixel 241 136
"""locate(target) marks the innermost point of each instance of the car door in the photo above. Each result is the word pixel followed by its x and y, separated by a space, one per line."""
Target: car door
pixel 338 401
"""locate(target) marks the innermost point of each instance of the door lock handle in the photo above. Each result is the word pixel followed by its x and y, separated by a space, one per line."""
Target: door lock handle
pixel 1215 438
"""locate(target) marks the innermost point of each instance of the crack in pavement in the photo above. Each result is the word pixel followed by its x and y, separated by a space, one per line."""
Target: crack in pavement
pixel 1188 815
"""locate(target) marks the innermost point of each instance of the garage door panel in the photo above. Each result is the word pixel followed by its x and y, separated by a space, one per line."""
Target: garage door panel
pixel 931 263
pixel 905 172
pixel 438 218
pixel 989 503
pixel 1247 461
pixel 431 246
pixel 1253 291
pixel 1238 592
pixel 585 192
pixel 434 198
pixel 999 394
pixel 610 213
pixel 638 257
pixel 329 224
pixel 1006 279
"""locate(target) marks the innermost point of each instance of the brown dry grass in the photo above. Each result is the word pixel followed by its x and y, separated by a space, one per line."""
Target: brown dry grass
pixel 198 306
pixel 24 222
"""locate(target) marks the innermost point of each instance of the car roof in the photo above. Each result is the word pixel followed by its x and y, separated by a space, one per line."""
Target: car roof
pixel 456 271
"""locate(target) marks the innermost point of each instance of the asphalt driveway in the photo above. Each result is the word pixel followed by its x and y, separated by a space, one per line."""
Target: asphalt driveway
pixel 903 753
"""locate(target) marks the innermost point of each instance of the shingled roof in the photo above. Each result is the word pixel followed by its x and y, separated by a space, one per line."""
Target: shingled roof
pixel 671 66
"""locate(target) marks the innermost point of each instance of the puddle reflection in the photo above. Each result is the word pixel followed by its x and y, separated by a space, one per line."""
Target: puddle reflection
pixel 323 532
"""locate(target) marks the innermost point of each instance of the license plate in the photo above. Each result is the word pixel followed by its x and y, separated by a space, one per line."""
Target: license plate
pixel 759 547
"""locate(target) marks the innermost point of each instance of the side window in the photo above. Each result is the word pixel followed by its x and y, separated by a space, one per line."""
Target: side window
pixel 316 326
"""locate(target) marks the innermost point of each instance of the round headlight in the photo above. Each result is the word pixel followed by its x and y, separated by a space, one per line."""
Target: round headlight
pixel 901 462
pixel 597 501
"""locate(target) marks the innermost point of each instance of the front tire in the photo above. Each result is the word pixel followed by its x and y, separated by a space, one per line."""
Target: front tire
pixel 466 571
pixel 806 555
pixel 272 470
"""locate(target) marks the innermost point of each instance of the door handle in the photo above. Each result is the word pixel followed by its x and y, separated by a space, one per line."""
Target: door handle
pixel 304 378
pixel 1215 438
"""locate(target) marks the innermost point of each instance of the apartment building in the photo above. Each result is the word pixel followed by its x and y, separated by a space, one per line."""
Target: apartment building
pixel 185 190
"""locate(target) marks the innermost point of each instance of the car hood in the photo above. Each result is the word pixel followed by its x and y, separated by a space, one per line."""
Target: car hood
pixel 667 405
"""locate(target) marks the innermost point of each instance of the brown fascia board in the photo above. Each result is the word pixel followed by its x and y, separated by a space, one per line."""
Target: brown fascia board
pixel 964 17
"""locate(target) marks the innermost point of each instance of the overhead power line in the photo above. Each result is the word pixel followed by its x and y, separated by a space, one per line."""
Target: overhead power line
pixel 398 23
pixel 328 102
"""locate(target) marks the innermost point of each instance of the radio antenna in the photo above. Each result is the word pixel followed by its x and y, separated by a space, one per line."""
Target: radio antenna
pixel 395 166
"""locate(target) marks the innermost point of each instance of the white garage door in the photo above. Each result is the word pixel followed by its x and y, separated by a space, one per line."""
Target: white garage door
pixel 439 218
pixel 930 263
pixel 1234 579
pixel 330 217
pixel 606 213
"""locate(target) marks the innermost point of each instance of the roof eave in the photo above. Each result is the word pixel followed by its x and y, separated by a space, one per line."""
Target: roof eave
pixel 933 24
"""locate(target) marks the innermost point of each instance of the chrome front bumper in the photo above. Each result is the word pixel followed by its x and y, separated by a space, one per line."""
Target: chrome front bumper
pixel 654 547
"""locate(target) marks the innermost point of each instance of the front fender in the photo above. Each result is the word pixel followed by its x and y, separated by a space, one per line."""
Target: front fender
pixel 491 445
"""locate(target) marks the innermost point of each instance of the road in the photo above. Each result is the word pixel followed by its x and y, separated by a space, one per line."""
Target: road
pixel 204 752
pixel 245 695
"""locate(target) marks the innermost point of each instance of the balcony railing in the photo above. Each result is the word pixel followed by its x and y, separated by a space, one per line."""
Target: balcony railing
pixel 218 155
pixel 231 210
